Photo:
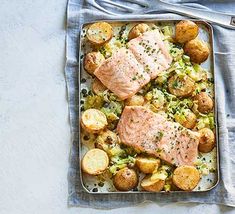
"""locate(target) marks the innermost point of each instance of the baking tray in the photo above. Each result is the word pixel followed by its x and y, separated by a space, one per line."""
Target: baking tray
pixel 92 184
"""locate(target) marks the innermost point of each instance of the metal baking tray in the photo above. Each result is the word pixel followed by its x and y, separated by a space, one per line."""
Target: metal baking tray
pixel 92 184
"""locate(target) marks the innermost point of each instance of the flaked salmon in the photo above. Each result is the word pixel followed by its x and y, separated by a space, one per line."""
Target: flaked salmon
pixel 153 134
pixel 129 69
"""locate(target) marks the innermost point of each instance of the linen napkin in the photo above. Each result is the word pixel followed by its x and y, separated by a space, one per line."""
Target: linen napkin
pixel 79 12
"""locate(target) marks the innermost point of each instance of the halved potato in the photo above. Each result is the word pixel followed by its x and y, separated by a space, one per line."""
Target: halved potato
pixel 93 121
pixel 147 164
pixel 98 87
pixel 95 162
pixel 152 185
pixel 207 140
pixel 186 177
pixel 92 61
pixel 138 30
pixel 185 31
pixel 135 100
pixel 99 33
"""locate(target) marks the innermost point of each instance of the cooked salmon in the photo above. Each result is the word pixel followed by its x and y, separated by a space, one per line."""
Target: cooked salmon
pixel 129 69
pixel 153 134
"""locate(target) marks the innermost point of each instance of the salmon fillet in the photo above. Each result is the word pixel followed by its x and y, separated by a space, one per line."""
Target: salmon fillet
pixel 129 69
pixel 153 134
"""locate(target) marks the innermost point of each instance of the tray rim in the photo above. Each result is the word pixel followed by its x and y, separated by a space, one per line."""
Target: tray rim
pixel 212 67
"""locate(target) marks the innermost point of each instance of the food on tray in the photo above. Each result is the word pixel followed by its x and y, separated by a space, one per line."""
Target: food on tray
pixel 129 69
pixel 125 179
pixel 95 162
pixel 93 120
pixel 99 33
pixel 151 133
pixel 138 30
pixel 186 118
pixel 92 61
pixel 204 102
pixel 197 50
pixel 185 31
pixel 98 87
pixel 181 86
pixel 147 108
pixel 147 164
pixel 186 177
pixel 207 140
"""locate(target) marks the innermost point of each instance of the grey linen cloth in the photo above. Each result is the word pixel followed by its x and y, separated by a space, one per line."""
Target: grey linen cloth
pixel 224 40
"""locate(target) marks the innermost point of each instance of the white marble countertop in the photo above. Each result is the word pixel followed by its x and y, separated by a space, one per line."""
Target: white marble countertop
pixel 34 127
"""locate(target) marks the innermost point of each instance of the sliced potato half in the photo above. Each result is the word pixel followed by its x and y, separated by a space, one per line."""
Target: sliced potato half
pixel 186 177
pixel 93 121
pixel 152 185
pixel 147 164
pixel 99 33
pixel 95 161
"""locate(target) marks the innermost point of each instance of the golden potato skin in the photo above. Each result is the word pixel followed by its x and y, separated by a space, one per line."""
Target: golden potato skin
pixel 197 50
pixel 190 117
pixel 204 101
pixel 95 161
pixel 92 61
pixel 99 33
pixel 98 87
pixel 181 87
pixel 147 164
pixel 186 177
pixel 152 186
pixel 207 140
pixel 185 31
pixel 135 100
pixel 125 179
pixel 138 30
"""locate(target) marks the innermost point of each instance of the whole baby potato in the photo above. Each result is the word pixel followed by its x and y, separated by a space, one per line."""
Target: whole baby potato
pixel 185 31
pixel 125 179
pixel 92 61
pixel 197 50
pixel 207 140
pixel 138 30
pixel 204 102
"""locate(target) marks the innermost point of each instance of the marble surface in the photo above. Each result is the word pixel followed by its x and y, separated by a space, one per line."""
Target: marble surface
pixel 34 126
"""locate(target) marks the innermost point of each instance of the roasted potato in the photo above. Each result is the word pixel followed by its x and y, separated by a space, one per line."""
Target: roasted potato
pixel 92 61
pixel 98 87
pixel 138 30
pixel 197 50
pixel 185 31
pixel 135 100
pixel 95 161
pixel 99 33
pixel 147 164
pixel 204 102
pixel 207 140
pixel 186 118
pixel 152 185
pixel 93 121
pixel 186 177
pixel 125 179
pixel 181 86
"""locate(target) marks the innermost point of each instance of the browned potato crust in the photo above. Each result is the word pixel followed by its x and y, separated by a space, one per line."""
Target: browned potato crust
pixel 197 50
pixel 92 61
pixel 99 33
pixel 95 161
pixel 204 101
pixel 147 164
pixel 152 185
pixel 138 30
pixel 98 87
pixel 125 179
pixel 190 119
pixel 135 100
pixel 207 140
pixel 181 87
pixel 186 177
pixel 93 121
pixel 185 31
